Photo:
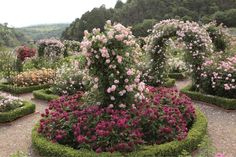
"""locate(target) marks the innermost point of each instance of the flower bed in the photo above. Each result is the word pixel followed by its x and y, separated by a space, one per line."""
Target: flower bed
pixel 226 103
pixel 12 108
pixel 20 90
pixel 45 94
pixel 35 77
pixel 195 135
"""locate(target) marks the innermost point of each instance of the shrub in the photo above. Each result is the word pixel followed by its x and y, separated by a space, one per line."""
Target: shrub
pixel 7 64
pixel 219 77
pixel 35 77
pixel 51 48
pixel 165 116
pixel 70 79
pixel 8 102
pixel 111 57
pixel 24 52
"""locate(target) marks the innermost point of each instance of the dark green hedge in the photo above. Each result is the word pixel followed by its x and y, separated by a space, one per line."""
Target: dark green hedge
pixel 177 76
pixel 194 138
pixel 17 113
pixel 44 94
pixel 20 90
pixel 229 104
pixel 169 82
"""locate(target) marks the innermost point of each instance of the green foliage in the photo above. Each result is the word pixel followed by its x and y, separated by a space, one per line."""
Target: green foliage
pixel 45 94
pixel 89 20
pixel 177 76
pixel 19 154
pixel 141 29
pixel 134 12
pixel 10 37
pixel 43 31
pixel 227 17
pixel 12 115
pixel 20 90
pixel 225 103
pixel 7 64
pixel 194 138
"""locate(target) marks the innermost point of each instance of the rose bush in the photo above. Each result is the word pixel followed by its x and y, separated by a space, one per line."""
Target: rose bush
pixel 9 102
pixel 51 48
pixel 196 41
pixel 70 78
pixel 111 57
pixel 35 77
pixel 165 116
pixel 219 77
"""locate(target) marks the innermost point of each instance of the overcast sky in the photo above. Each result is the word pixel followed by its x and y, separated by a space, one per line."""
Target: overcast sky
pixel 20 13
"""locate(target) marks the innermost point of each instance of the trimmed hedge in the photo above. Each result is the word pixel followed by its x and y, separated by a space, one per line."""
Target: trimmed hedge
pixel 26 109
pixel 44 94
pixel 226 103
pixel 177 76
pixel 20 90
pixel 169 82
pixel 174 148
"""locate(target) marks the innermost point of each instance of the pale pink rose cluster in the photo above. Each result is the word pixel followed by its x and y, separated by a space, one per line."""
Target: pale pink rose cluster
pixel 222 72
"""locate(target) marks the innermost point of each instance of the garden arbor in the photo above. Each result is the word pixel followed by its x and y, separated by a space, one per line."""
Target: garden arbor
pixel 196 41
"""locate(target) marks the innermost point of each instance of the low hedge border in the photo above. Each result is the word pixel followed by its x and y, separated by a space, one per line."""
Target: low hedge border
pixel 177 76
pixel 26 109
pixel 169 82
pixel 226 103
pixel 20 90
pixel 43 94
pixel 174 148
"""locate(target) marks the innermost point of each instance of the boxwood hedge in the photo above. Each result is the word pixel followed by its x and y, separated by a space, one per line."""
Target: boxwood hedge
pixel 196 134
pixel 226 103
pixel 26 109
pixel 44 94
pixel 177 76
pixel 20 90
pixel 169 82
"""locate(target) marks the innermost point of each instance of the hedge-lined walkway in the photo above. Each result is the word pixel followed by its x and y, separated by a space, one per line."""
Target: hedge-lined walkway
pixel 221 125
pixel 16 136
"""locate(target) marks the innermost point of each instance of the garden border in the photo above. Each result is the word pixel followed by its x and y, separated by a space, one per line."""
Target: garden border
pixel 226 103
pixel 174 148
pixel 43 95
pixel 10 116
pixel 21 90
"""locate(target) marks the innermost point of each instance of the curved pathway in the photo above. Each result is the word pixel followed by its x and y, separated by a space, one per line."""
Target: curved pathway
pixel 16 136
pixel 221 125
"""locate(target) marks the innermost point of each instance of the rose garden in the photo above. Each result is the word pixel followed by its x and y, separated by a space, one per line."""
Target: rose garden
pixel 110 95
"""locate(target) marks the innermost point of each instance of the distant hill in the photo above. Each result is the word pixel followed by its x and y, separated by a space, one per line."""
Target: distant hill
pixel 38 32
pixel 11 37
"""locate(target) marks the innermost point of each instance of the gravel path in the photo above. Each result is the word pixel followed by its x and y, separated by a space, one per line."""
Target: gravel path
pixel 221 125
pixel 16 136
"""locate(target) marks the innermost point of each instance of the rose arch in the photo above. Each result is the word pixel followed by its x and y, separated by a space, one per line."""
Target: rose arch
pixel 196 42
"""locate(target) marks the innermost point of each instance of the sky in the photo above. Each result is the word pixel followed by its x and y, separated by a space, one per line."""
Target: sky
pixel 19 13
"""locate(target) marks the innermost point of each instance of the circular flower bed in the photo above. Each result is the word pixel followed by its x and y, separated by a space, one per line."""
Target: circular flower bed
pixel 165 117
